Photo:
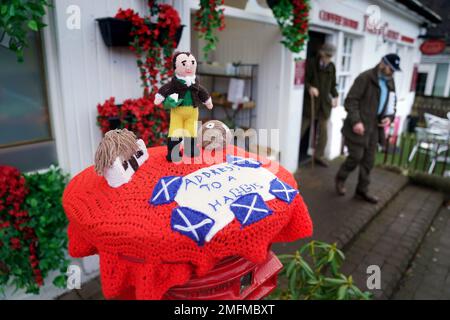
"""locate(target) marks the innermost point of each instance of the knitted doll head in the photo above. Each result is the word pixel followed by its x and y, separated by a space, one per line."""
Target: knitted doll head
pixel 215 135
pixel 119 155
pixel 184 64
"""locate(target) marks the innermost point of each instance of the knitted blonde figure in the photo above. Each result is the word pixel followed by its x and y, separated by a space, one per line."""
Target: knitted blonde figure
pixel 183 95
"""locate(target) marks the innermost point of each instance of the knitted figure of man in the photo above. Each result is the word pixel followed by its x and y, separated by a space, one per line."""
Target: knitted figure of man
pixel 183 95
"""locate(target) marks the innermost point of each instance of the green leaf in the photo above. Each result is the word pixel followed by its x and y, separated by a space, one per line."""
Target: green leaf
pixel 334 281
pixel 342 292
pixel 60 281
pixel 330 256
pixel 12 11
pixel 290 267
pixel 306 267
pixel 33 25
pixel 293 281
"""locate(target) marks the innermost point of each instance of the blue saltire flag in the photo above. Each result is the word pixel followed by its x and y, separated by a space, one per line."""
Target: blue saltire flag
pixel 243 162
pixel 282 190
pixel 191 223
pixel 165 190
pixel 250 208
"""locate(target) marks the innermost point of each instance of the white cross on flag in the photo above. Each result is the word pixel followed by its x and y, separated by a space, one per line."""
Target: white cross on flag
pixel 282 190
pixel 165 190
pixel 191 223
pixel 250 208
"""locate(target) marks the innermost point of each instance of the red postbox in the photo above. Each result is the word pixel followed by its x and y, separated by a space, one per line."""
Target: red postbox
pixel 233 278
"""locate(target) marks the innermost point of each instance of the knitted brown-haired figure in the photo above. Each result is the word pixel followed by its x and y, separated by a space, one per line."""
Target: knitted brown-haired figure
pixel 119 155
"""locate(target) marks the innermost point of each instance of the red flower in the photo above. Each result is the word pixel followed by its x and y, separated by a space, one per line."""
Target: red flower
pixel 15 243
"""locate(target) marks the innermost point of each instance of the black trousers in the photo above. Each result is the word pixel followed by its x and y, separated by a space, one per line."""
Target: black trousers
pixel 362 155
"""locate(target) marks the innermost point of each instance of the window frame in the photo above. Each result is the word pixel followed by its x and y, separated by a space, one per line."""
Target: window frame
pixel 345 71
pixel 44 86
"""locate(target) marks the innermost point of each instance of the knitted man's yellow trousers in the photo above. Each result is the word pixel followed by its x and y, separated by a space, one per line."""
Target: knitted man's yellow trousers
pixel 183 122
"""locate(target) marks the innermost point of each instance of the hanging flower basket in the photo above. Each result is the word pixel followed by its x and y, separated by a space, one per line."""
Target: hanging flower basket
pixel 293 19
pixel 116 32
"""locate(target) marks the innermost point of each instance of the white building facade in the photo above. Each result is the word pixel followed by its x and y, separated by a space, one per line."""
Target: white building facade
pixel 79 71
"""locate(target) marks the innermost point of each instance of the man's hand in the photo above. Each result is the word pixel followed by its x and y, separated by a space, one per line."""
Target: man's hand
pixel 159 99
pixel 334 102
pixel 313 91
pixel 358 128
pixel 385 122
pixel 209 103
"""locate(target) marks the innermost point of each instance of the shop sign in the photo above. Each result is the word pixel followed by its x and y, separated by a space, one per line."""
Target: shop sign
pixel 432 46
pixel 338 20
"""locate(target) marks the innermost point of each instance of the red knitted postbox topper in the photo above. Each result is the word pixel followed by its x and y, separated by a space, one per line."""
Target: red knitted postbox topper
pixel 171 220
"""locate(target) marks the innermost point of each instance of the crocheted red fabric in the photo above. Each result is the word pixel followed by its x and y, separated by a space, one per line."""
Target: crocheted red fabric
pixel 135 242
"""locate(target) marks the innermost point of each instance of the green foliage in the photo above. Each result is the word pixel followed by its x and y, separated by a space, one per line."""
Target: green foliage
pixel 207 19
pixel 397 156
pixel 48 220
pixel 292 18
pixel 18 18
pixel 312 273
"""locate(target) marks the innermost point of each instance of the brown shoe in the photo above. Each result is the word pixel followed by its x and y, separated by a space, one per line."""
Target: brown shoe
pixel 321 162
pixel 366 197
pixel 340 187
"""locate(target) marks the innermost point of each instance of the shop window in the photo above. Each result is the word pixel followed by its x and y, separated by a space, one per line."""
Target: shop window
pixel 25 135
pixel 347 54
pixel 345 67
pixel 440 80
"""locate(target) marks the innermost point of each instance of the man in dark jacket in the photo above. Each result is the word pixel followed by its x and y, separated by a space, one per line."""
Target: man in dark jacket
pixel 370 106
pixel 320 84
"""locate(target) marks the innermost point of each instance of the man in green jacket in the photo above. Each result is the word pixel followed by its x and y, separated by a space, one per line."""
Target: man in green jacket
pixel 370 106
pixel 320 84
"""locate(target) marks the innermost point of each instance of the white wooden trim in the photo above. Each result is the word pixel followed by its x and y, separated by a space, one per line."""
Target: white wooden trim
pixel 235 12
pixel 447 83
pixel 55 100
pixel 430 69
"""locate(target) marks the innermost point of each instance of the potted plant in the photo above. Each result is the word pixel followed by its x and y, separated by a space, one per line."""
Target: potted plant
pixel 153 45
pixel 292 18
pixel 33 241
pixel 208 18
pixel 313 273
pixel 117 32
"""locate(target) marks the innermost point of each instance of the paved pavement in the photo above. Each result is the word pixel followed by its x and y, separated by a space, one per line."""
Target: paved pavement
pixel 428 276
pixel 392 239
pixel 91 290
pixel 335 218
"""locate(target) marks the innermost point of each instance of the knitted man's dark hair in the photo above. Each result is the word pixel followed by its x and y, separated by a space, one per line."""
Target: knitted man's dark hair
pixel 176 54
